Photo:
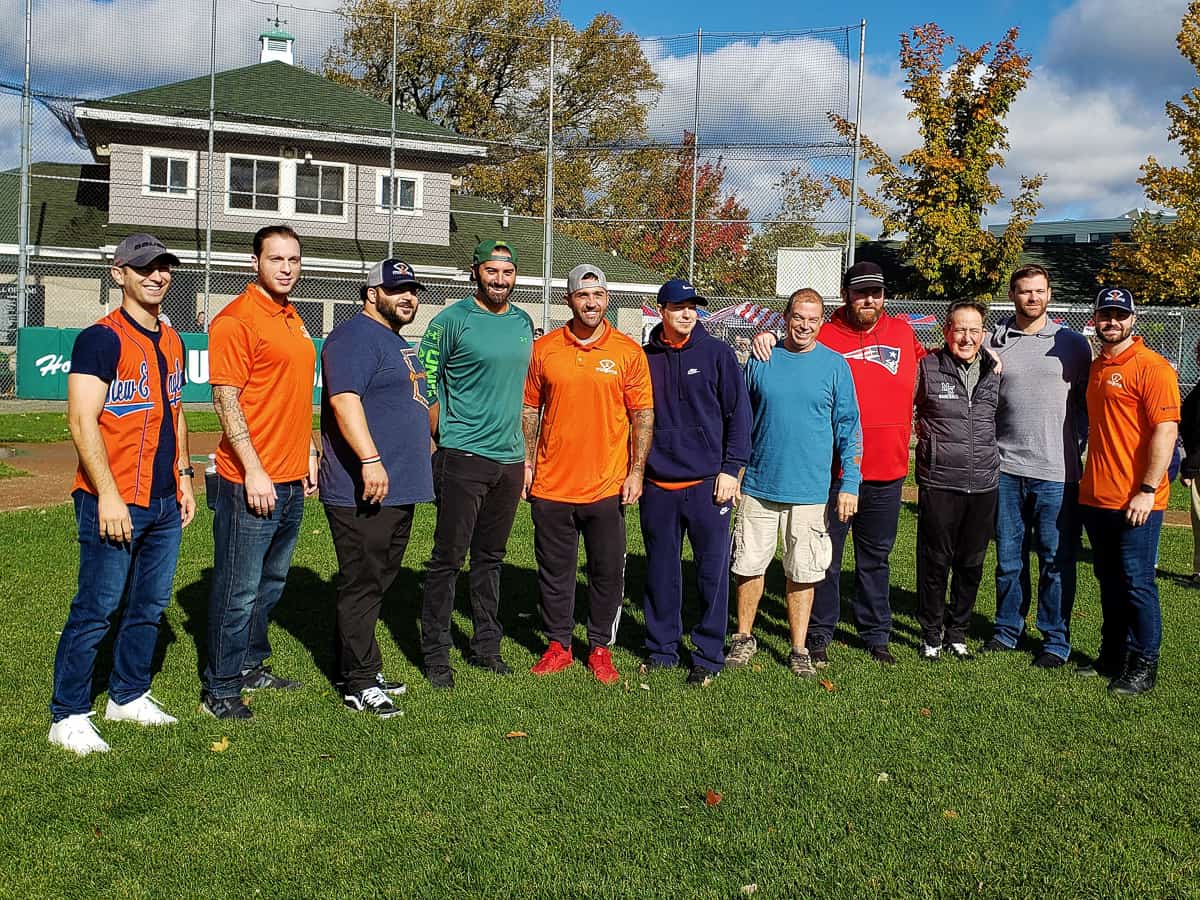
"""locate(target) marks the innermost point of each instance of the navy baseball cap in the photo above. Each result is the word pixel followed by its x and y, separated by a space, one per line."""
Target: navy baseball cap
pixel 391 274
pixel 1114 298
pixel 141 249
pixel 679 290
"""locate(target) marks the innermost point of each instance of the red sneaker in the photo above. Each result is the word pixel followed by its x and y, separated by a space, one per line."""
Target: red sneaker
pixel 600 662
pixel 555 659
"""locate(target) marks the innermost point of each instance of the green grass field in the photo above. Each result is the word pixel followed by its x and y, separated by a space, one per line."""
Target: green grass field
pixel 981 777
pixel 44 427
pixel 7 471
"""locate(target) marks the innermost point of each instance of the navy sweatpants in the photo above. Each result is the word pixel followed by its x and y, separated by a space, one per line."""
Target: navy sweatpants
pixel 874 527
pixel 666 516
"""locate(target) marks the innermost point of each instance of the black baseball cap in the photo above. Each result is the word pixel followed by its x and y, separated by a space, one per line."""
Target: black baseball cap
pixel 863 275
pixel 391 274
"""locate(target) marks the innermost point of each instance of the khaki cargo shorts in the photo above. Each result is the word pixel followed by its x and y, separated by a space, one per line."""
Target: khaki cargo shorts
pixel 757 526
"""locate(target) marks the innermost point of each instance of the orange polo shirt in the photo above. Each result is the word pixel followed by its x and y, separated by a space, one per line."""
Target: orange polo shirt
pixel 1127 396
pixel 585 392
pixel 264 350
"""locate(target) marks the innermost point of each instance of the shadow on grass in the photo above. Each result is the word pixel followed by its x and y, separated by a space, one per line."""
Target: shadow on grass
pixel 104 653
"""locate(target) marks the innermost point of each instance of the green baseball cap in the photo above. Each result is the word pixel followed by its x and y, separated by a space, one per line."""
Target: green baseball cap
pixel 486 250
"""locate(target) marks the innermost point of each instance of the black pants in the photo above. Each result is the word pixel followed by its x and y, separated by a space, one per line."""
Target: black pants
pixel 556 531
pixel 370 544
pixel 476 503
pixel 953 530
pixel 874 527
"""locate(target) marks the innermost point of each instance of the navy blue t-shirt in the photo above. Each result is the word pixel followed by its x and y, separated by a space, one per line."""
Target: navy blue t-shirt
pixel 364 357
pixel 96 352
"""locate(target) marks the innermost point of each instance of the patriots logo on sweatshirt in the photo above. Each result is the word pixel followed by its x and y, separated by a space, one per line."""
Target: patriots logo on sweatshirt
pixel 888 357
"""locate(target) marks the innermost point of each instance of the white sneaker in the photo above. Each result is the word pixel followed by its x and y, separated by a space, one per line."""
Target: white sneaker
pixel 928 651
pixel 78 734
pixel 144 710
pixel 962 651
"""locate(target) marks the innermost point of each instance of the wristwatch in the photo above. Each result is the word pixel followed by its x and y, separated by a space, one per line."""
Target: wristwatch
pixel 189 471
pixel 1148 488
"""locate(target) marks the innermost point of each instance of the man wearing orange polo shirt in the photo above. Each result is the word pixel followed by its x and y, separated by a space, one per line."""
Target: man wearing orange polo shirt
pixel 1133 417
pixel 590 384
pixel 261 367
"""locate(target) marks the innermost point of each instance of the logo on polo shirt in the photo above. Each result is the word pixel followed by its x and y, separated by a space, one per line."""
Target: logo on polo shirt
pixel 607 366
pixel 888 357
pixel 1115 380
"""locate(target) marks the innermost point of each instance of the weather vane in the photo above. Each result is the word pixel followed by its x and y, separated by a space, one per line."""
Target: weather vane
pixel 278 21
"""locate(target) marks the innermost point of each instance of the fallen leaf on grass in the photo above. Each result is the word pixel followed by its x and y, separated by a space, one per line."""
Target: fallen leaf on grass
pixel 644 686
pixel 516 734
pixel 326 756
pixel 849 828
pixel 219 746
pixel 882 778
pixel 748 889
pixel 925 711
pixel 950 814
pixel 97 832
pixel 711 797
pixel 829 686
pixel 757 667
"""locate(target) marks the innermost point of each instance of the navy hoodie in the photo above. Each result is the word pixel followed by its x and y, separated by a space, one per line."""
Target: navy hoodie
pixel 701 409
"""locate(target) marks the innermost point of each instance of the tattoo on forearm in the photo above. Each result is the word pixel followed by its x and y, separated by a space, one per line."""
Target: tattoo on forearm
pixel 643 430
pixel 529 424
pixel 233 421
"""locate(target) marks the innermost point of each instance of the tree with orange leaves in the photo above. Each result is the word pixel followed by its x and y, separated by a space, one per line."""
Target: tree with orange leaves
pixel 1161 261
pixel 937 193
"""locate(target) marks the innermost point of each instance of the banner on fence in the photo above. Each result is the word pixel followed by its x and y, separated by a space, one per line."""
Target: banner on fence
pixel 44 361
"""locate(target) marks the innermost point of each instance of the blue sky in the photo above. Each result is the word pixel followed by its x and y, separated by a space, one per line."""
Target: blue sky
pixel 971 23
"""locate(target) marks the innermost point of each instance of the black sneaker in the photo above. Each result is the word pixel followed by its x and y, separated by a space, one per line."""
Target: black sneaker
pixel 374 701
pixel 1048 661
pixel 650 666
pixel 440 678
pixel 263 678
pixel 394 688
pixel 881 654
pixel 225 707
pixel 490 663
pixel 1105 665
pixel 819 657
pixel 699 677
pixel 995 645
pixel 1140 676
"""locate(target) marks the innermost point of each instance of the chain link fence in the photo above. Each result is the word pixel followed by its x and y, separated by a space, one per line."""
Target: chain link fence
pixel 413 130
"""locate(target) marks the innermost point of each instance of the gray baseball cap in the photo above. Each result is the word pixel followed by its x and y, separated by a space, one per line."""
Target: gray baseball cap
pixel 576 276
pixel 139 250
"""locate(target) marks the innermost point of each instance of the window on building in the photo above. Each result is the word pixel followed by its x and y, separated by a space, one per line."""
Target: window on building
pixel 168 175
pixel 403 189
pixel 253 183
pixel 320 190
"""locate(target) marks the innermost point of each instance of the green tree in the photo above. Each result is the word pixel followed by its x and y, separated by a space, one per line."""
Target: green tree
pixel 937 193
pixel 1161 261
pixel 801 198
pixel 479 68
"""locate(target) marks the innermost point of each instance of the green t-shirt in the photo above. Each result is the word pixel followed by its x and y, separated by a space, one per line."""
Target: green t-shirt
pixel 476 362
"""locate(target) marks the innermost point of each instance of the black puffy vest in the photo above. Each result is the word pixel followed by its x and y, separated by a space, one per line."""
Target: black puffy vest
pixel 956 434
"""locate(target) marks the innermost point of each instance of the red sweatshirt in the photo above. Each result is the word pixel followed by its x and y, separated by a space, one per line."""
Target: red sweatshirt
pixel 883 362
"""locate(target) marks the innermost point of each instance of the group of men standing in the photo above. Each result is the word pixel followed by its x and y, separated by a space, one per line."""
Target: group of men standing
pixel 809 443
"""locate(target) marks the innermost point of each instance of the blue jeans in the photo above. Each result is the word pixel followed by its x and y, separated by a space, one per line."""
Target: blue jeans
pixel 252 555
pixel 1042 516
pixel 141 573
pixel 1123 560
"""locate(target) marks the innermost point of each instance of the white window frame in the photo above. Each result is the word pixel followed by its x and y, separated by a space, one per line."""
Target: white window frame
pixel 191 157
pixel 294 165
pixel 287 190
pixel 418 179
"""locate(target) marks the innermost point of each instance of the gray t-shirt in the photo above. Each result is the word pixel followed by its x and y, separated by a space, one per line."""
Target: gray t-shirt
pixel 1041 423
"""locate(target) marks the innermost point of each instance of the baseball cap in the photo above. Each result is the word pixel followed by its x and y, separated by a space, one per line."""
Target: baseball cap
pixel 1114 298
pixel 576 276
pixel 679 290
pixel 863 275
pixel 391 274
pixel 486 250
pixel 140 250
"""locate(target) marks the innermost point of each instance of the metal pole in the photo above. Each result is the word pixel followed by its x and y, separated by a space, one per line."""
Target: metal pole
pixel 548 236
pixel 22 309
pixel 392 149
pixel 862 52
pixel 695 156
pixel 212 125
